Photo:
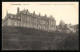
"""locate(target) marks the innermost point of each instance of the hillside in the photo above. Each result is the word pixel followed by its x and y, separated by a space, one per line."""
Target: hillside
pixel 21 38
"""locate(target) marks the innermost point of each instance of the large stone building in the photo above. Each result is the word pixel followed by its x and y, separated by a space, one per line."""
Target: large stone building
pixel 31 20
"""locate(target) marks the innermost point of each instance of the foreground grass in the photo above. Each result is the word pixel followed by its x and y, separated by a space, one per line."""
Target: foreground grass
pixel 19 38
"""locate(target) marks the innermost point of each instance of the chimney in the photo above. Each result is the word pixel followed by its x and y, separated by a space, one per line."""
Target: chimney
pixel 51 16
pixel 33 13
pixel 18 10
pixel 45 15
pixel 7 13
pixel 39 14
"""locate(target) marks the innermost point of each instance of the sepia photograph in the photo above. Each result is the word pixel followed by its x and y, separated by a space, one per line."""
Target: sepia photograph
pixel 40 25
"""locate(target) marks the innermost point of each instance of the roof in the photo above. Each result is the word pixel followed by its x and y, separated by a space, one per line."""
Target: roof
pixel 35 15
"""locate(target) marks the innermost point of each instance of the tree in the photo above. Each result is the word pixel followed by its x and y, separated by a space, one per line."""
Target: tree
pixel 61 24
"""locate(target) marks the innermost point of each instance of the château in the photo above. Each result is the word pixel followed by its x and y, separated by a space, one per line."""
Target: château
pixel 30 20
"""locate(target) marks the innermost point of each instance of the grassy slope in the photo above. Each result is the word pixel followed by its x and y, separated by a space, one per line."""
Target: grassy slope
pixel 33 39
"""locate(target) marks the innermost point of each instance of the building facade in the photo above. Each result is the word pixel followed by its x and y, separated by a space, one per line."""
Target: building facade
pixel 31 20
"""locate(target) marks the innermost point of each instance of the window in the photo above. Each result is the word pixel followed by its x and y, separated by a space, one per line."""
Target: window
pixel 18 23
pixel 19 17
pixel 12 23
pixel 43 22
pixel 51 23
pixel 34 20
pixel 27 18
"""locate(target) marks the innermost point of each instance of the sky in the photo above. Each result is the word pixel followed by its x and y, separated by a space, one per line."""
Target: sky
pixel 66 11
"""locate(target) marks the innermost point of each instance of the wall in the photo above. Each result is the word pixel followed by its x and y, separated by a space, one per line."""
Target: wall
pixel 30 21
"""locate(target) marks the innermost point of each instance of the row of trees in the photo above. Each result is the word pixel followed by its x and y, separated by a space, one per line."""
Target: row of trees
pixel 67 27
